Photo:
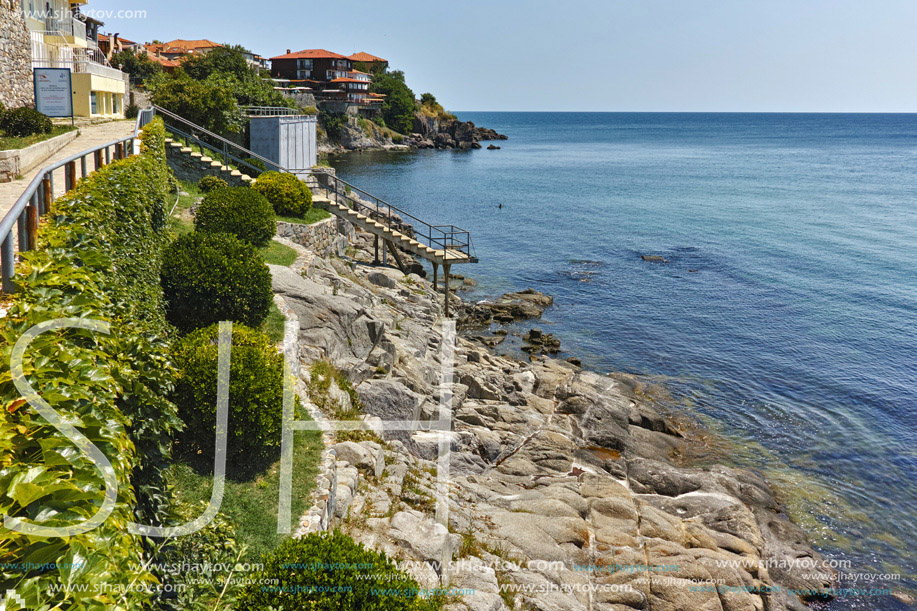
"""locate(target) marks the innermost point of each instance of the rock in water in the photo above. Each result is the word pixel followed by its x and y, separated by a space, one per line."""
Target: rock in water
pixel 654 259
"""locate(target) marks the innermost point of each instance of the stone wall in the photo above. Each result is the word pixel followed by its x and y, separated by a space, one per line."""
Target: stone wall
pixel 15 57
pixel 330 236
pixel 21 161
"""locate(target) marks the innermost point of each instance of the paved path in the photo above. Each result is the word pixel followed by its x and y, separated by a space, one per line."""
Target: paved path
pixel 90 137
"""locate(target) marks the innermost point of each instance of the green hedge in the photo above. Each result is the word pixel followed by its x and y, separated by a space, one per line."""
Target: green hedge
pixel 337 583
pixel 211 183
pixel 288 194
pixel 241 211
pixel 98 258
pixel 255 396
pixel 208 278
pixel 25 121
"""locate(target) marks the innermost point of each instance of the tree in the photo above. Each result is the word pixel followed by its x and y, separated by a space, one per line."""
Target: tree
pixel 210 104
pixel 223 60
pixel 138 65
pixel 398 107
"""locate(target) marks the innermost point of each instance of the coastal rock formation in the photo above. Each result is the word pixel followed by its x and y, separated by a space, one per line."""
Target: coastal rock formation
pixel 508 308
pixel 567 490
pixel 431 132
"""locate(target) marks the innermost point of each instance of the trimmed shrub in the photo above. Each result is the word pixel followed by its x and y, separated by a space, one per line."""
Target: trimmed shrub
pixel 98 258
pixel 131 111
pixel 25 121
pixel 257 163
pixel 241 211
pixel 255 396
pixel 209 183
pixel 210 277
pixel 319 572
pixel 289 195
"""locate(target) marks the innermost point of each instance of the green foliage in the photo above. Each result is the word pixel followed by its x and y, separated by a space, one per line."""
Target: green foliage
pixel 25 121
pixel 209 183
pixel 256 163
pixel 255 396
pixel 138 65
pixel 322 375
pixel 208 278
pixel 398 106
pixel 131 111
pixel 431 108
pixel 241 211
pixel 223 72
pixel 219 60
pixel 288 194
pixel 328 572
pixel 333 123
pixel 210 104
pixel 215 544
pixel 98 258
pixel 2 110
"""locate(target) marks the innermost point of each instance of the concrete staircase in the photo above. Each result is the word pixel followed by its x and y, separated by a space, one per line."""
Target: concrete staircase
pixel 188 164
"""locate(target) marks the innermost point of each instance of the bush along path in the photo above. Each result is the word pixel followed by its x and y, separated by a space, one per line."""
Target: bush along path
pixel 562 481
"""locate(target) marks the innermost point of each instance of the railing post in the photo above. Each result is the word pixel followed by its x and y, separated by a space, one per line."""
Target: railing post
pixel 31 213
pixel 107 155
pixel 23 230
pixel 83 172
pixel 69 176
pixel 98 159
pixel 48 190
pixel 8 264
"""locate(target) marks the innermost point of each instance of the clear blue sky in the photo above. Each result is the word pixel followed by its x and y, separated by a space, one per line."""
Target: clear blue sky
pixel 600 55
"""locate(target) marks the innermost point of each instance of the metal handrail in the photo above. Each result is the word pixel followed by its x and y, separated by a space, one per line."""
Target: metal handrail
pixel 271 111
pixel 438 237
pixel 35 202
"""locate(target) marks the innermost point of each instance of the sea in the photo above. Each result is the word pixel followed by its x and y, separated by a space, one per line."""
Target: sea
pixel 783 317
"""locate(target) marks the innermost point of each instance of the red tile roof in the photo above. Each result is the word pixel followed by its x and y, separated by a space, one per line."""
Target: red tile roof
pixel 347 80
pixel 183 46
pixel 165 63
pixel 311 54
pixel 104 38
pixel 366 58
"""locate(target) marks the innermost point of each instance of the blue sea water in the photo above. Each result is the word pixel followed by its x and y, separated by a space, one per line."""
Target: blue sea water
pixel 785 317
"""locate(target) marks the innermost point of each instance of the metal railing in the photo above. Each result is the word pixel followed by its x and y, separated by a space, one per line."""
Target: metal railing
pixel 437 237
pixel 270 111
pixel 19 226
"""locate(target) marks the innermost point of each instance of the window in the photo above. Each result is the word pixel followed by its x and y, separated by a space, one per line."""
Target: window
pixel 116 104
pixel 94 102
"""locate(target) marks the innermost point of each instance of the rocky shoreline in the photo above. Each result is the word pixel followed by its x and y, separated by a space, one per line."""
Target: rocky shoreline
pixel 429 133
pixel 568 490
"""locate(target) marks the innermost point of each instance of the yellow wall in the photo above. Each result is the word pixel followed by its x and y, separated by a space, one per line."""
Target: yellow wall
pixel 106 88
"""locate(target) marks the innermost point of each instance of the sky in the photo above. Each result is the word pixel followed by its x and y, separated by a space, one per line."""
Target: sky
pixel 585 55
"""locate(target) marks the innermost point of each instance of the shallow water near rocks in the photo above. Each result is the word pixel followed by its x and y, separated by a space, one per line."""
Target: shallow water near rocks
pixel 785 315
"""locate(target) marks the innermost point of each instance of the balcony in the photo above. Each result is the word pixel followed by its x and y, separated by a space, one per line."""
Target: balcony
pixel 79 60
pixel 73 28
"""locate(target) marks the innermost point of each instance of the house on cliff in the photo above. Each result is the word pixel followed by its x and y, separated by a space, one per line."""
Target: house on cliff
pixel 329 76
pixel 370 63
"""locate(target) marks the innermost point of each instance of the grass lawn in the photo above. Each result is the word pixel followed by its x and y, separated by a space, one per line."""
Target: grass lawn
pixel 274 325
pixel 252 504
pixel 8 143
pixel 276 253
pixel 314 215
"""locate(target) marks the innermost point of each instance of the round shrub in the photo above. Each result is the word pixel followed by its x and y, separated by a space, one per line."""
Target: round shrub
pixel 25 121
pixel 346 575
pixel 289 195
pixel 211 277
pixel 209 183
pixel 255 396
pixel 240 211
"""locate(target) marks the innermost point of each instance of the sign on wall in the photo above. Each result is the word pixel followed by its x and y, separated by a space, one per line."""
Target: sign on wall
pixel 53 92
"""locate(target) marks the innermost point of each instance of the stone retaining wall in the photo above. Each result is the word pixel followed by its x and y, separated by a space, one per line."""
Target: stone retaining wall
pixel 16 87
pixel 330 236
pixel 19 161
